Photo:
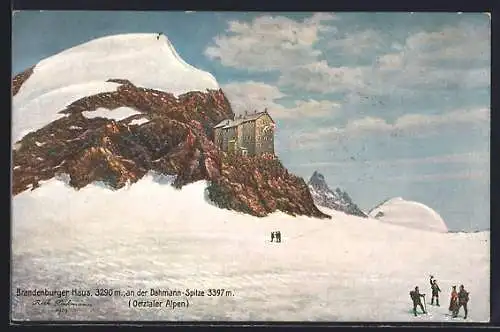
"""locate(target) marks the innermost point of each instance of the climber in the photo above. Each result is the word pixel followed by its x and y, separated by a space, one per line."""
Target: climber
pixel 278 236
pixel 453 301
pixel 415 296
pixel 435 291
pixel 463 299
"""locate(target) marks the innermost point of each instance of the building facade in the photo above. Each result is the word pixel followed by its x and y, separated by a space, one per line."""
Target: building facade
pixel 251 134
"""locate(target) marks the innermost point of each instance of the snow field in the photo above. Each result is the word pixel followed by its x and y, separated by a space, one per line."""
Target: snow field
pixel 116 114
pixel 151 235
pixel 410 214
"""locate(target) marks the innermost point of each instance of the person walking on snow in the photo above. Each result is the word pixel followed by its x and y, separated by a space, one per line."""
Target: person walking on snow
pixel 272 236
pixel 453 301
pixel 278 236
pixel 415 296
pixel 463 299
pixel 435 291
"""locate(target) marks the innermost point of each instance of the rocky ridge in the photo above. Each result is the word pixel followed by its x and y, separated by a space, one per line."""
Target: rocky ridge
pixel 174 138
pixel 336 200
pixel 19 79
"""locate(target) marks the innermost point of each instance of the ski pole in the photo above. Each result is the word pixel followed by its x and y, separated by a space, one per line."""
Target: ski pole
pixel 425 304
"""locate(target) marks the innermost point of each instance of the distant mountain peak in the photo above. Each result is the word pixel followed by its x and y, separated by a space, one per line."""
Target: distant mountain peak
pixel 318 175
pixel 337 200
pixel 317 181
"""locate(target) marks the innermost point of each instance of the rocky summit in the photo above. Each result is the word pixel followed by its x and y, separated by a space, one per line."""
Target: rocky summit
pixel 336 200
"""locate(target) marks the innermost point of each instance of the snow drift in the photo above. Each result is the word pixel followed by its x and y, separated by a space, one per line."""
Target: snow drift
pixel 83 70
pixel 150 235
pixel 409 214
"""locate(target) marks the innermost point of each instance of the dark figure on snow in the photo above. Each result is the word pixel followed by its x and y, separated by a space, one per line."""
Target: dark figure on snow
pixel 158 36
pixel 463 299
pixel 454 301
pixel 272 236
pixel 415 296
pixel 278 236
pixel 431 281
pixel 435 291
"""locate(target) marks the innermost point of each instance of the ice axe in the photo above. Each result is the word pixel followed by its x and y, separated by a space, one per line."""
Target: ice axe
pixel 425 304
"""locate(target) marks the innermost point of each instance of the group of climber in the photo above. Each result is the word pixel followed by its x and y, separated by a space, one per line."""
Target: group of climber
pixel 276 235
pixel 458 299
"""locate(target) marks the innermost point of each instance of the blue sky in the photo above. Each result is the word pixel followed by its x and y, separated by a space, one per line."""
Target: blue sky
pixel 383 104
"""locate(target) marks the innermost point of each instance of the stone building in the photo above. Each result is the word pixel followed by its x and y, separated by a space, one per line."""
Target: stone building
pixel 248 135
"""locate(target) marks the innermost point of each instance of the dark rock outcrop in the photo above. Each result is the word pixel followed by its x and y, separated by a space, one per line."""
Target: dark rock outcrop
pixel 19 79
pixel 336 200
pixel 91 149
pixel 174 139
pixel 259 185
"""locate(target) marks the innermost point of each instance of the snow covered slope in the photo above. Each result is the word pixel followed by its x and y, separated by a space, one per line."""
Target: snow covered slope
pixel 150 235
pixel 144 59
pixel 34 110
pixel 409 214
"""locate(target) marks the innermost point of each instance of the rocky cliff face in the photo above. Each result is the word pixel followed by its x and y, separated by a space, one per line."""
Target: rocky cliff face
pixel 174 137
pixel 19 79
pixel 91 149
pixel 260 185
pixel 337 200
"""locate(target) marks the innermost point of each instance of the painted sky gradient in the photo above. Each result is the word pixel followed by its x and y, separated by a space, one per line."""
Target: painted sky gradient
pixel 383 104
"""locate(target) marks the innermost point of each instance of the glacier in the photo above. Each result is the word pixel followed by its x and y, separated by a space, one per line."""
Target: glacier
pixel 151 235
pixel 410 214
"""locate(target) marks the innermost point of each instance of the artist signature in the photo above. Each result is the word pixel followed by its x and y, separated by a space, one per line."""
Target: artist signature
pixel 60 303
